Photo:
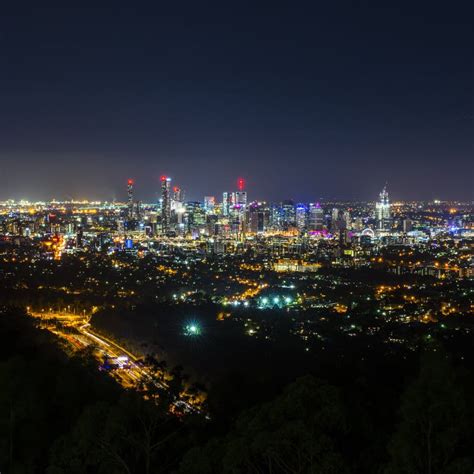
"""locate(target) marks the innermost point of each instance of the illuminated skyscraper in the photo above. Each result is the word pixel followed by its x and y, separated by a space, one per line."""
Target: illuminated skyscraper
pixel 209 203
pixel 335 220
pixel 240 198
pixel 316 217
pixel 178 194
pixel 226 203
pixel 165 203
pixel 301 214
pixel 382 211
pixel 258 218
pixel 195 216
pixel 288 215
pixel 130 199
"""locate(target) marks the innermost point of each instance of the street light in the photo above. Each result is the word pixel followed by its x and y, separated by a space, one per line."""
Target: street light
pixel 192 329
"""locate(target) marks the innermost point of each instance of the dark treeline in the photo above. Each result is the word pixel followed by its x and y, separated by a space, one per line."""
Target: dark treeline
pixel 59 414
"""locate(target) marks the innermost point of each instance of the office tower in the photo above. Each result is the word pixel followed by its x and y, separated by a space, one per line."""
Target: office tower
pixel 178 194
pixel 346 218
pixel 130 199
pixel 288 214
pixel 382 212
pixel 212 224
pixel 165 203
pixel 240 198
pixel 194 216
pixel 275 217
pixel 209 203
pixel 335 220
pixel 226 203
pixel 138 210
pixel 316 217
pixel 239 205
pixel 258 217
pixel 177 205
pixel 301 215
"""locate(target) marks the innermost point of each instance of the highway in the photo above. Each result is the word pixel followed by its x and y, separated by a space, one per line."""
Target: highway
pixel 104 348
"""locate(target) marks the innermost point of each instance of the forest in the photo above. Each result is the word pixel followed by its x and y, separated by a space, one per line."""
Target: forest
pixel 59 414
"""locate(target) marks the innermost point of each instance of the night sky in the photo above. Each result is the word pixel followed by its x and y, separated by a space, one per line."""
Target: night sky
pixel 306 100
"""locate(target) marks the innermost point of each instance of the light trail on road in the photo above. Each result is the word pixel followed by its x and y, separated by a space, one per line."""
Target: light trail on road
pixel 128 378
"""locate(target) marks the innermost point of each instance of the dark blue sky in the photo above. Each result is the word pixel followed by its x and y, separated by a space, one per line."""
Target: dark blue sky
pixel 303 99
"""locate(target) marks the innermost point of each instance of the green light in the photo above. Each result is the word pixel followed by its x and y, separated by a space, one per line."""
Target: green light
pixel 192 329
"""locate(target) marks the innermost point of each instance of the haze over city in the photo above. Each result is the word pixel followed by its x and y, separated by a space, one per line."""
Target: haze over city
pixel 308 102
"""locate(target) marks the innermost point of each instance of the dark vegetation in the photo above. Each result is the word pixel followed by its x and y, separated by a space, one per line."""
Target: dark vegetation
pixel 407 412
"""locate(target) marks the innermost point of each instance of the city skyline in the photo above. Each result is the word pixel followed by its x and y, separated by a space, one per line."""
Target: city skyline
pixel 236 237
pixel 154 196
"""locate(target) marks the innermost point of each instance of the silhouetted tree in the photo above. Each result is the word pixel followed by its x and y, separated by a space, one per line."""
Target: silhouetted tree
pixel 431 435
pixel 301 431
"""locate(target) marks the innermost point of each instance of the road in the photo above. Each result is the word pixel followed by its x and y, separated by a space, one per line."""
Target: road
pixel 104 347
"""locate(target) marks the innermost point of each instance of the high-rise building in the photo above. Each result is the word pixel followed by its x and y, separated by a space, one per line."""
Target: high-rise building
pixel 301 216
pixel 178 194
pixel 288 214
pixel 130 199
pixel 165 203
pixel 258 217
pixel 238 205
pixel 209 203
pixel 275 218
pixel 382 212
pixel 335 221
pixel 226 203
pixel 195 215
pixel 316 217
pixel 177 204
pixel 240 198
pixel 347 219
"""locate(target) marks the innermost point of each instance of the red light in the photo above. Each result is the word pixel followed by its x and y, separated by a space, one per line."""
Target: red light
pixel 241 184
pixel 130 182
pixel 163 178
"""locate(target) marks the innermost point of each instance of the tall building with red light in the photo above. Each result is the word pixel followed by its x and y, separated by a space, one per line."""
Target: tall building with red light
pixel 165 203
pixel 240 197
pixel 130 199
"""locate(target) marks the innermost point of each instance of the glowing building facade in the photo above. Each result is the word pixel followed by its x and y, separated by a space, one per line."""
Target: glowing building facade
pixel 165 203
pixel 382 212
